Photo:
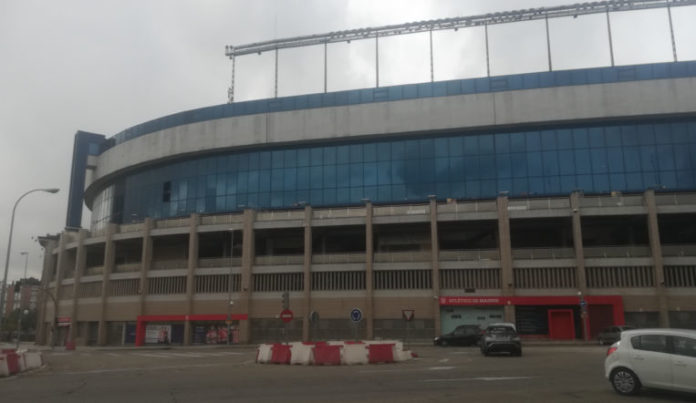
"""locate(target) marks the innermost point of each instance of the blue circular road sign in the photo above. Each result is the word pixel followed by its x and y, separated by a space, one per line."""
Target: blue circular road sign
pixel 356 315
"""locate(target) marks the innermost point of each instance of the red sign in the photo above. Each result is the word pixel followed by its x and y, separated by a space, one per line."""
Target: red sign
pixel 286 315
pixel 407 314
pixel 63 320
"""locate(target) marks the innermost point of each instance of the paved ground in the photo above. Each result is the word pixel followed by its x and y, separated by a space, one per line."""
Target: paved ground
pixel 543 374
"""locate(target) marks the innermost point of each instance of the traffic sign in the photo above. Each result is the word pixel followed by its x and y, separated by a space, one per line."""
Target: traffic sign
pixel 407 314
pixel 314 316
pixel 286 315
pixel 356 315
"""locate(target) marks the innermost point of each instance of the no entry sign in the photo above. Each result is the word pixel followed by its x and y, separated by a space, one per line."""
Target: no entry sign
pixel 286 315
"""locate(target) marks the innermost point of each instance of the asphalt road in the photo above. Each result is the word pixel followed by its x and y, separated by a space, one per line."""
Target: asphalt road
pixel 543 374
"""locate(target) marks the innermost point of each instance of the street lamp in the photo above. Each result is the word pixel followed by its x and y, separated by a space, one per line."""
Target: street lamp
pixel 583 316
pixel 19 317
pixel 9 246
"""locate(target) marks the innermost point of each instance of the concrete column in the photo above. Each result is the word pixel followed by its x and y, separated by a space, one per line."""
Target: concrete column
pixel 191 273
pixel 505 250
pixel 580 272
pixel 307 269
pixel 80 264
pixel 109 260
pixel 145 264
pixel 656 252
pixel 49 260
pixel 248 255
pixel 435 265
pixel 369 269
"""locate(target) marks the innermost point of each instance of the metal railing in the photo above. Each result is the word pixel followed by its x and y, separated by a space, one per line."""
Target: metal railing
pixel 279 260
pixel 393 257
pixel 471 254
pixel 617 251
pixel 543 253
pixel 338 258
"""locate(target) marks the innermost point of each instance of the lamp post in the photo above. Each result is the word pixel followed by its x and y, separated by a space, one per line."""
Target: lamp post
pixel 19 317
pixel 583 316
pixel 7 254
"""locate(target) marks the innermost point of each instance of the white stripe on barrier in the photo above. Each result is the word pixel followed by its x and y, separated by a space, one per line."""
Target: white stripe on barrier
pixel 264 353
pixel 4 368
pixel 33 360
pixel 301 354
pixel 354 354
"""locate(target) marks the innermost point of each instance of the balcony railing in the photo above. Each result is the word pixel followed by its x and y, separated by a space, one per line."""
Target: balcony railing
pixel 468 255
pixel 169 264
pixel 92 271
pixel 219 262
pixel 338 258
pixel 279 260
pixel 543 253
pixel 678 250
pixel 127 267
pixel 393 257
pixel 617 251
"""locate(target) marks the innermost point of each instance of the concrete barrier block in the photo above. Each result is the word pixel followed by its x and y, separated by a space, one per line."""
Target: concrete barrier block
pixel 402 355
pixel 20 362
pixel 355 354
pixel 381 353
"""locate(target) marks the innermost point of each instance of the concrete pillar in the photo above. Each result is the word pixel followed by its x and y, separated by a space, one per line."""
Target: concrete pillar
pixel 580 272
pixel 80 264
pixel 109 260
pixel 656 252
pixel 145 264
pixel 248 255
pixel 369 270
pixel 307 269
pixel 505 249
pixel 49 261
pixel 435 265
pixel 191 273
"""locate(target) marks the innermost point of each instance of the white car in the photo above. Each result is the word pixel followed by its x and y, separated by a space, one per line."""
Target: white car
pixel 654 358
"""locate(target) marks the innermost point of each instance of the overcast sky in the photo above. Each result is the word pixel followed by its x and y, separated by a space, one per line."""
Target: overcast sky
pixel 103 66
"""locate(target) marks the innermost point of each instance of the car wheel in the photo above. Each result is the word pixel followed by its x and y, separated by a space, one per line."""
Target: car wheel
pixel 624 381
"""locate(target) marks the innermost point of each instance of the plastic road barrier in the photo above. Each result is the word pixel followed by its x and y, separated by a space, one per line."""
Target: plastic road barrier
pixel 280 354
pixel 32 360
pixel 327 355
pixel 381 353
pixel 301 353
pixel 12 360
pixel 4 368
pixel 354 354
pixel 263 353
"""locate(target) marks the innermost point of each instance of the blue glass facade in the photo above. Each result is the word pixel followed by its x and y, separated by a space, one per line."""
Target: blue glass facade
pixel 550 161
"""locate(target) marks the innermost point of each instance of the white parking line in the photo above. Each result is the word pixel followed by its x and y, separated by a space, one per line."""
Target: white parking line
pixel 440 368
pixel 160 355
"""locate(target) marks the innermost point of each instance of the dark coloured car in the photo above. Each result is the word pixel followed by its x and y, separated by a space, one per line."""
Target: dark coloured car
pixel 463 335
pixel 500 339
pixel 611 334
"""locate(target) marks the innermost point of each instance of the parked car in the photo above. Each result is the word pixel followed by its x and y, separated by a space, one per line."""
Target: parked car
pixel 654 358
pixel 463 335
pixel 612 334
pixel 499 338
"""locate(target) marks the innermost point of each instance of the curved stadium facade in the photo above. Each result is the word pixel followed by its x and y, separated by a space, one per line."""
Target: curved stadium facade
pixel 562 201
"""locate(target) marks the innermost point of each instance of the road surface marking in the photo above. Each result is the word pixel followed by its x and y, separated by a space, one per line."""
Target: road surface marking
pixel 440 368
pixel 444 360
pixel 482 378
pixel 160 355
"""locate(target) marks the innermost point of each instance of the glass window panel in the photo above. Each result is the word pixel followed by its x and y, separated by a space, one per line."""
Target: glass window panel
pixel 471 167
pixel 265 181
pixel 502 143
pixel 370 152
pixel 427 148
pixel 290 158
pixel 442 189
pixel 316 156
pixel 665 156
pixel 302 178
pixel 277 180
pixel 290 178
pixel 682 158
pixel 534 164
pixel 356 153
pixel 489 188
pixel 458 189
pixel 533 141
pixel 520 187
pixel 631 159
pixel 518 164
pixel 303 157
pixel 398 172
pixel 548 140
pixel 680 132
pixel 243 162
pixel 565 139
pixel 427 172
pixel 342 155
pixel 646 135
pixel 567 183
pixel 412 149
pixel 384 193
pixel 504 186
pixel 599 161
pixel 330 155
pixel 442 147
pixel 471 145
pixel 442 169
pixel 342 175
pixel 486 145
pixel 584 182
pixel 383 173
pixel 595 137
pixel 601 183
pixel 370 192
pixel 398 149
pixel 582 161
pixel 370 174
pixel 552 184
pixel 343 195
pixel 316 177
pixel 277 160
pixel 276 199
pixel 581 138
pixel 242 182
pixel 612 136
pixel 615 159
pixel 316 197
pixel 265 160
pixel 685 179
pixel 634 181
pixel 629 136
pixel 330 196
pixel 518 142
pixel 456 146
pixel 536 185
pixel 398 192
pixel 487 167
pixel 503 166
pixel 253 181
pixel 650 179
pixel 550 162
pixel 253 161
pixel 384 151
pixel 668 179
pixel 648 158
pixel 566 162
pixel 617 181
pixel 473 189
pixel 663 134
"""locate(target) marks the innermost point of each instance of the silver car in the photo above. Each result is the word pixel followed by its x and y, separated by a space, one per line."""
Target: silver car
pixel 654 358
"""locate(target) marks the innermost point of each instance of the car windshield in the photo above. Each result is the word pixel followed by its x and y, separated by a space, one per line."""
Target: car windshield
pixel 500 330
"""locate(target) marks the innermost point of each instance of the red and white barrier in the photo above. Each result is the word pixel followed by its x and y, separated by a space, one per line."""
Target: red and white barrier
pixel 12 362
pixel 333 353
pixel 4 368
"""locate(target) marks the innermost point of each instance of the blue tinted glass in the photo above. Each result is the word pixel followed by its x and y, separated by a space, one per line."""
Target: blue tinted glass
pixel 601 183
pixel 682 158
pixel 646 135
pixel 342 175
pixel 471 167
pixel 599 161
pixel 427 148
pixel 342 155
pixel 504 167
pixel 550 162
pixel 471 145
pixel 370 152
pixel 356 153
pixel 398 149
pixel 548 140
pixel 518 165
pixel 442 169
pixel 534 164
pixel 290 158
pixel 370 174
pixel 502 143
pixel 316 156
pixel 302 178
pixel 486 145
pixel 536 185
pixel 665 157
pixel 629 135
pixel 330 155
pixel 631 159
pixel 487 166
pixel 566 161
pixel 615 159
pixel 455 146
pixel 533 141
pixel 680 132
pixel 582 161
pixel 648 158
pixel 596 136
pixel 412 149
pixel 518 142
pixel 565 139
pixel 302 157
pixel 442 147
pixel 634 181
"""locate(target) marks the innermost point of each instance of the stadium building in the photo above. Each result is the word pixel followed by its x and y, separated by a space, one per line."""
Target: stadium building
pixel 563 201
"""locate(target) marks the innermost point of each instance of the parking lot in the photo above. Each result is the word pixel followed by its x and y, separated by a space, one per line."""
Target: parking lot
pixel 544 373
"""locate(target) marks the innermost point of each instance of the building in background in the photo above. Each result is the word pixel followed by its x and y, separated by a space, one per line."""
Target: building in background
pixel 563 201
